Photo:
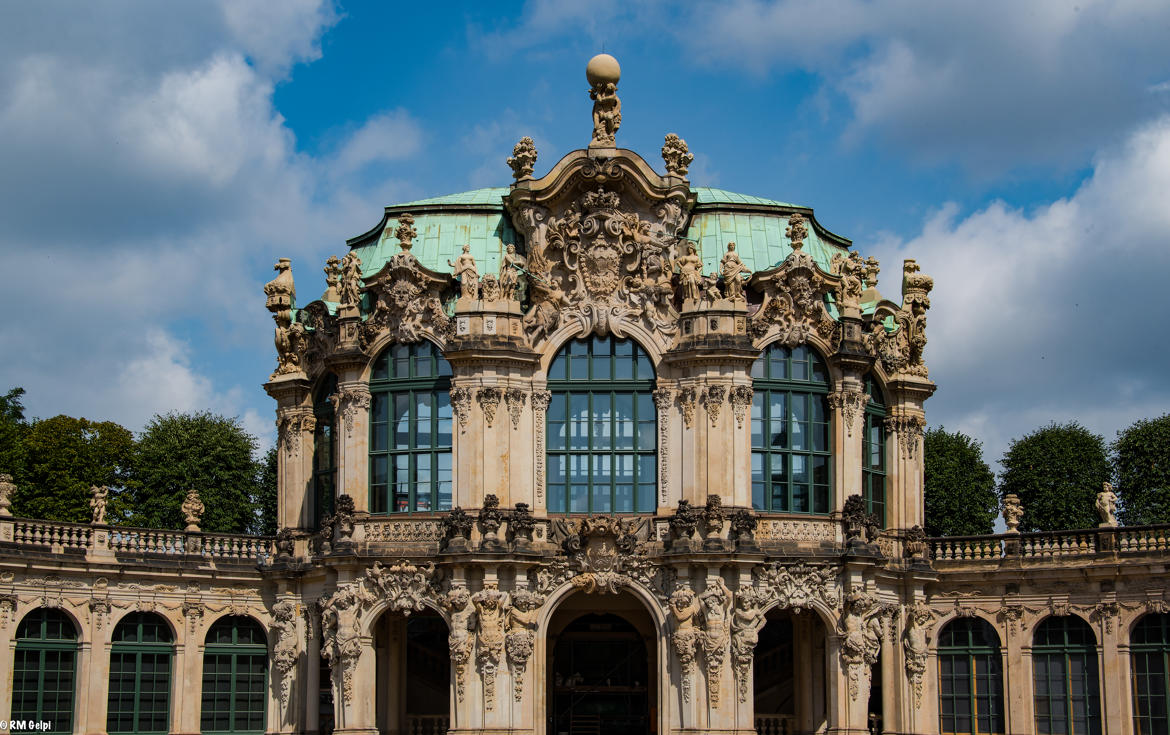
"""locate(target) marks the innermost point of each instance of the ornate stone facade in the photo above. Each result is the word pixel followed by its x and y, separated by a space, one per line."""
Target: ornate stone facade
pixel 600 246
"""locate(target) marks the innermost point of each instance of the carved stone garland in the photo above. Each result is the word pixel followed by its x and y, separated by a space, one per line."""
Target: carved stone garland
pixel 740 397
pixel 514 398
pixel 713 397
pixel 540 401
pixel 851 403
pixel 489 399
pixel 461 406
pixel 290 429
pixel 909 431
pixel 663 397
pixel 687 399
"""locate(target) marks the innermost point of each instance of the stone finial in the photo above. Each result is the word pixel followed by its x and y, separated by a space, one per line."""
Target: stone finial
pixel 523 159
pixel 872 268
pixel 332 279
pixel 797 230
pixel 405 231
pixel 676 155
pixel 1107 506
pixel 99 496
pixel 289 338
pixel 603 73
pixel 192 510
pixel 7 488
pixel 1013 511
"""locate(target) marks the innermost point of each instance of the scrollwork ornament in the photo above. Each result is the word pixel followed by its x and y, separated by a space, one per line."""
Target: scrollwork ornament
pixel 514 398
pixel 489 399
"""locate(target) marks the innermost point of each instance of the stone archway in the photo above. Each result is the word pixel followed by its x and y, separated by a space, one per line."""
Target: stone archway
pixel 791 679
pixel 412 687
pixel 602 667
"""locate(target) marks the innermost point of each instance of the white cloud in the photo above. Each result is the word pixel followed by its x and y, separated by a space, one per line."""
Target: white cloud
pixel 995 85
pixel 384 138
pixel 1050 314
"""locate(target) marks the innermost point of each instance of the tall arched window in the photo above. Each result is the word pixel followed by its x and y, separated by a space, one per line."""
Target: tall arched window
pixel 1064 664
pixel 1149 652
pixel 873 451
pixel 970 678
pixel 324 450
pixel 602 429
pixel 790 431
pixel 235 674
pixel 410 430
pixel 43 674
pixel 140 675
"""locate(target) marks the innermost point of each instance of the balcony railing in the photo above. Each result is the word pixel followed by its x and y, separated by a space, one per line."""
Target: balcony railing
pixel 427 724
pixel 97 540
pixel 1044 545
pixel 775 724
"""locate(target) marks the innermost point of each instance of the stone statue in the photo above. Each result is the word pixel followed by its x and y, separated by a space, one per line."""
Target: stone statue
pixel 716 601
pixel 917 644
pixel 683 608
pixel 464 270
pixel 289 337
pixel 491 610
pixel 510 269
pixel 518 644
pixel 97 503
pixel 603 74
pixel 861 638
pixel 192 510
pixel 733 269
pixel 746 623
pixel 1107 505
pixel 7 488
pixel 690 274
pixel 284 652
pixel 332 279
pixel 351 280
pixel 1013 511
pixel 460 613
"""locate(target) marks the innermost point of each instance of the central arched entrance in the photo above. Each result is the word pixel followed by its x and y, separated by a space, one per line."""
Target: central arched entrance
pixel 413 688
pixel 602 670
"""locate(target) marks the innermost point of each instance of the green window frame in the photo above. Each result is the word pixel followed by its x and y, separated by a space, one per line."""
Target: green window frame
pixel 235 676
pixel 324 450
pixel 791 440
pixel 1149 655
pixel 873 451
pixel 602 429
pixel 44 673
pixel 410 430
pixel 1065 675
pixel 140 675
pixel 970 679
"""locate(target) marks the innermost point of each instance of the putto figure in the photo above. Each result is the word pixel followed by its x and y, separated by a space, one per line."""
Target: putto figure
pixel 603 73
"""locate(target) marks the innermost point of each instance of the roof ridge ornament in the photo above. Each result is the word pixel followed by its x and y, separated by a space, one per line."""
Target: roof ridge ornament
pixel 523 159
pixel 676 155
pixel 603 73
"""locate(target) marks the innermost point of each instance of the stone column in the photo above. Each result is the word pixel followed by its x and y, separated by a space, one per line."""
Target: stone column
pixel 353 429
pixel 1017 679
pixel 355 714
pixel 187 681
pixel 1116 697
pixel 311 681
pixel 847 407
pixel 91 684
pixel 294 415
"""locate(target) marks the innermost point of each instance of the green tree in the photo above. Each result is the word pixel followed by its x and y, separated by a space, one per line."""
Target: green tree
pixel 1057 472
pixel 64 458
pixel 266 497
pixel 959 487
pixel 202 451
pixel 13 430
pixel 1141 460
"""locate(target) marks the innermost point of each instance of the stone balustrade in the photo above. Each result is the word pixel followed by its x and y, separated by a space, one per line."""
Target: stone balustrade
pixel 58 537
pixel 1052 545
pixel 427 724
pixel 775 724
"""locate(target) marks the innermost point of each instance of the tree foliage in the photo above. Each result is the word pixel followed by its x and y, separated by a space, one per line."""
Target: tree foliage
pixel 202 451
pixel 64 458
pixel 266 498
pixel 1057 472
pixel 1141 460
pixel 13 430
pixel 959 487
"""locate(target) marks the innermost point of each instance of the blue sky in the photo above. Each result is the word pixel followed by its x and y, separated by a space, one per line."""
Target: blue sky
pixel 158 158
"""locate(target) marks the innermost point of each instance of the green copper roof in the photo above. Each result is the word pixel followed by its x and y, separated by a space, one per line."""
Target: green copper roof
pixel 446 223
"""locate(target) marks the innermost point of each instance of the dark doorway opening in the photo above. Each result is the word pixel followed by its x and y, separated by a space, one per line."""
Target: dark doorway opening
pixel 600 679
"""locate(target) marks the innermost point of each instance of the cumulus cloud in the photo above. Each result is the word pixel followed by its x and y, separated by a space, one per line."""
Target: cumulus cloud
pixel 149 183
pixel 995 86
pixel 1047 314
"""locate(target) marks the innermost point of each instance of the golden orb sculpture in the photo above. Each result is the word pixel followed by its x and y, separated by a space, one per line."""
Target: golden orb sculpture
pixel 601 69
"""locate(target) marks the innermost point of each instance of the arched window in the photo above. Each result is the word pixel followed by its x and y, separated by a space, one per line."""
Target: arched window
pixel 970 678
pixel 1149 652
pixel 873 451
pixel 410 430
pixel 43 674
pixel 602 429
pixel 1064 666
pixel 140 675
pixel 235 674
pixel 324 450
pixel 790 431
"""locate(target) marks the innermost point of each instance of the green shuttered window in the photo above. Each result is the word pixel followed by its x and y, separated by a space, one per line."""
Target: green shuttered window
pixel 44 670
pixel 791 451
pixel 140 675
pixel 602 429
pixel 1066 684
pixel 235 675
pixel 970 679
pixel 410 430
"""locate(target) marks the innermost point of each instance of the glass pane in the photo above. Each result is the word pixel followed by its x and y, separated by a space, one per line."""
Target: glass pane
pixel 401 420
pixel 425 410
pixel 602 421
pixel 624 360
pixel 758 367
pixel 579 421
